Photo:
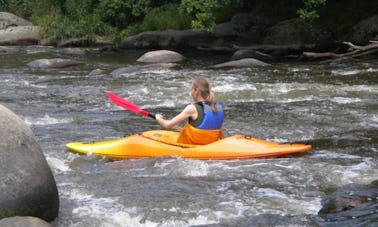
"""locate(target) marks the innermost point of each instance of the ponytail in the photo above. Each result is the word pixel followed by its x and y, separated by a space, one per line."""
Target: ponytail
pixel 205 91
pixel 211 101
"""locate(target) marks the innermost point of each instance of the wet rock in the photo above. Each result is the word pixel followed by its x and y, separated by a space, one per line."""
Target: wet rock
pixel 169 39
pixel 21 35
pixel 352 205
pixel 71 51
pixel 8 50
pixel 53 63
pixel 27 185
pixel 11 20
pixel 23 221
pixel 97 72
pixel 242 63
pixel 248 53
pixel 135 69
pixel 364 31
pixel 17 31
pixel 243 28
pixel 161 56
pixel 296 32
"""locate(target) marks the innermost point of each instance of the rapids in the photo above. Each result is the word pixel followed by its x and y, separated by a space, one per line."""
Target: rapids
pixel 334 107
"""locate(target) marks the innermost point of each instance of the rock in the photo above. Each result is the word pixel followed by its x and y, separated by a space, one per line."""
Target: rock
pixel 53 63
pixel 364 31
pixel 11 20
pixel 23 221
pixel 27 184
pixel 352 205
pixel 134 69
pixel 161 56
pixel 8 50
pixel 21 35
pixel 243 28
pixel 169 39
pixel 17 31
pixel 296 32
pixel 71 51
pixel 97 72
pixel 242 63
pixel 248 53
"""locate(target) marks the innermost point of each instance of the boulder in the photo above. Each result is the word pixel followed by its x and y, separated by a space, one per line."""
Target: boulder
pixel 161 56
pixel 27 184
pixel 169 39
pixel 351 205
pixel 53 63
pixel 23 221
pixel 11 20
pixel 8 50
pixel 298 33
pixel 242 63
pixel 364 31
pixel 21 35
pixel 249 53
pixel 243 29
pixel 17 31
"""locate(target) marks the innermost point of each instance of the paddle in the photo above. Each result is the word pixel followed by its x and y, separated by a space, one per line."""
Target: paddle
pixel 128 105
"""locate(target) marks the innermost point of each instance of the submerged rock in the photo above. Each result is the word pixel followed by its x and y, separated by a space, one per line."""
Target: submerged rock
pixel 141 68
pixel 352 205
pixel 242 63
pixel 53 63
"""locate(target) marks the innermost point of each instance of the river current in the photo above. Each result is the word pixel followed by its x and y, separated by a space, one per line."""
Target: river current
pixel 334 107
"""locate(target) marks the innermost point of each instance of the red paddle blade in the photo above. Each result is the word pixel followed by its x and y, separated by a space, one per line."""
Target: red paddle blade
pixel 127 104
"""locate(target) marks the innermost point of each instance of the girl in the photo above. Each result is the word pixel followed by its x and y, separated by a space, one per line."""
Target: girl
pixel 205 117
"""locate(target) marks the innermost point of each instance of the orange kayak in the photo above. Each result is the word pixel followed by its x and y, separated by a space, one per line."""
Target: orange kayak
pixel 158 143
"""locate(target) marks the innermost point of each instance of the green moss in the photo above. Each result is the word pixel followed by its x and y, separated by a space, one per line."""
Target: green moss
pixel 6 213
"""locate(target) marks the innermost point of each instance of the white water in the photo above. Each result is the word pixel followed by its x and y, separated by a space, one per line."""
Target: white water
pixel 336 105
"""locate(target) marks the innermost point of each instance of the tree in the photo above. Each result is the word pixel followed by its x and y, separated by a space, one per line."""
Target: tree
pixel 308 12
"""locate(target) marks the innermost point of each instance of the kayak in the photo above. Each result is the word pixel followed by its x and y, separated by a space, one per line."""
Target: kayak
pixel 157 143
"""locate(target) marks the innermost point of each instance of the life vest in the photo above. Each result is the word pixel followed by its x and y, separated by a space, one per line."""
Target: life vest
pixel 207 128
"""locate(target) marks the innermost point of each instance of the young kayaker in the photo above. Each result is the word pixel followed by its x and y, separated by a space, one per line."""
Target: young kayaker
pixel 204 117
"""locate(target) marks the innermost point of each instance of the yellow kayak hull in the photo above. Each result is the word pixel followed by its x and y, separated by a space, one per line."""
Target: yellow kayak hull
pixel 159 143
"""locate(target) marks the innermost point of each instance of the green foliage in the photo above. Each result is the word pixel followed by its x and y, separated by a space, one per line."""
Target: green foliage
pixel 165 17
pixel 122 13
pixel 201 11
pixel 309 12
pixel 205 13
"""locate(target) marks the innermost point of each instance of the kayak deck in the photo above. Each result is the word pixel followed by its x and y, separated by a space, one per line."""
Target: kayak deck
pixel 162 143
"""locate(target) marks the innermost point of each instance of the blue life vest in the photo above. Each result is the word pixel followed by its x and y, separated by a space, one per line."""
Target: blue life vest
pixel 207 119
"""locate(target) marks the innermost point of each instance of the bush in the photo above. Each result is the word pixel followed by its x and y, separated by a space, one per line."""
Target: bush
pixel 165 17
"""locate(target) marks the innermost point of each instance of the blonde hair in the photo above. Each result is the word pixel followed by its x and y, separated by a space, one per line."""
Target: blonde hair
pixel 205 92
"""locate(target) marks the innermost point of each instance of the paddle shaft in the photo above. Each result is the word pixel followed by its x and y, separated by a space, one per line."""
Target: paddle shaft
pixel 126 104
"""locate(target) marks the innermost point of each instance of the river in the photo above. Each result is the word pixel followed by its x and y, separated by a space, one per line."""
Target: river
pixel 333 106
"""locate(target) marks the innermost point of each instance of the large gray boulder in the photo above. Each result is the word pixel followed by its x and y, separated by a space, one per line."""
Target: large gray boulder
pixel 298 33
pixel 23 221
pixel 169 39
pixel 27 184
pixel 22 35
pixel 11 20
pixel 17 31
pixel 161 56
pixel 243 29
pixel 364 31
pixel 53 63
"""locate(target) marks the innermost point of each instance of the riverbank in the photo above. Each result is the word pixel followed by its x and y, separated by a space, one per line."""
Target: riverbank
pixel 244 36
